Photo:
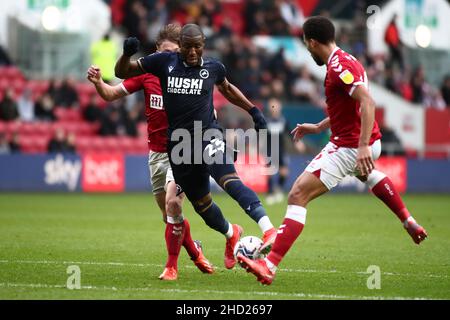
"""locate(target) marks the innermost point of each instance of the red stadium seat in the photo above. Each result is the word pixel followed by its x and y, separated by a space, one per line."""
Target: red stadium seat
pixel 13 126
pixel 43 128
pixel 34 143
pixel 12 73
pixel 64 114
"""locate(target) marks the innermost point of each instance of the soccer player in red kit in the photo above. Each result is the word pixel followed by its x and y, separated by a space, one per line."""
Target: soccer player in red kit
pixel 167 194
pixel 353 147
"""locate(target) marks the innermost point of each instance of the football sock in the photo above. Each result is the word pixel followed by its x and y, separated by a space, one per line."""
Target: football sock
pixel 265 224
pixel 174 239
pixel 188 243
pixel 213 217
pixel 247 198
pixel 292 226
pixel 385 191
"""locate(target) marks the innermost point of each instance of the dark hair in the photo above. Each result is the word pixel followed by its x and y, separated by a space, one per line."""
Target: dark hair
pixel 170 32
pixel 320 29
pixel 192 30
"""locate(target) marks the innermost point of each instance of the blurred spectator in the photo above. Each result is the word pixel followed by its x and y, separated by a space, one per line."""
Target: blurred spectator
pixel 393 41
pixel 104 55
pixel 92 112
pixel 157 18
pixel 418 85
pixel 58 143
pixel 293 15
pixel 25 106
pixel 278 128
pixel 8 107
pixel 253 17
pixel 67 95
pixel 445 90
pixel 63 92
pixel 344 41
pixel 434 99
pixel 14 144
pixel 392 145
pixel 131 121
pixel 304 88
pixel 4 57
pixel 117 122
pixel 44 108
pixel 54 88
pixel 136 20
pixel 405 88
pixel 70 143
pixel 4 144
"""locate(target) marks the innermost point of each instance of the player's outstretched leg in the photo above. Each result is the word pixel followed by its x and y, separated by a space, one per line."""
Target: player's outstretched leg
pixel 306 188
pixel 213 217
pixel 177 234
pixel 174 238
pixel 383 188
pixel 249 202
pixel 195 251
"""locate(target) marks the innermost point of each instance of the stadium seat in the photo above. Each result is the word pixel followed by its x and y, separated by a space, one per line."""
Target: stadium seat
pixel 64 114
pixel 34 143
pixel 43 128
pixel 3 127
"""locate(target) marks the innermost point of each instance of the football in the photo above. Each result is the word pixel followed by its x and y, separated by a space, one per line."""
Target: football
pixel 249 247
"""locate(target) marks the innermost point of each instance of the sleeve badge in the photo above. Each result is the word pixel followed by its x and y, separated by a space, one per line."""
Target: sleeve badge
pixel 346 77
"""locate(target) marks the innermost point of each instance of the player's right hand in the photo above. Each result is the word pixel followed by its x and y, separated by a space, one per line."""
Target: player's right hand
pixel 258 118
pixel 130 46
pixel 303 129
pixel 94 74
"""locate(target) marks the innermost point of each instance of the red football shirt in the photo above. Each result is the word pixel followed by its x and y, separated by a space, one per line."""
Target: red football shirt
pixel 154 109
pixel 344 74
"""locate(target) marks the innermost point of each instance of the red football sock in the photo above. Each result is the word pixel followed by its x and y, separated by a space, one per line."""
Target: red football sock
pixel 174 239
pixel 292 227
pixel 386 192
pixel 188 243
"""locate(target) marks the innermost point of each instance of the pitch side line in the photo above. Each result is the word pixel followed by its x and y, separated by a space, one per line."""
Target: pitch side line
pixel 127 264
pixel 249 293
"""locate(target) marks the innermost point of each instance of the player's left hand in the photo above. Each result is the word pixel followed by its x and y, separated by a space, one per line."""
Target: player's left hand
pixel 258 119
pixel 130 46
pixel 364 161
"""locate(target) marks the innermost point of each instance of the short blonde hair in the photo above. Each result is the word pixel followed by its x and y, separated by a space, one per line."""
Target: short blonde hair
pixel 170 32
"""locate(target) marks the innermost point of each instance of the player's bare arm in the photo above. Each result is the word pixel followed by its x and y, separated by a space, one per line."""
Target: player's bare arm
pixel 364 159
pixel 236 97
pixel 106 91
pixel 125 68
pixel 310 128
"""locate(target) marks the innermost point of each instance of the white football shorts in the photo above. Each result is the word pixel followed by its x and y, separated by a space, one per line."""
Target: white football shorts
pixel 333 163
pixel 160 171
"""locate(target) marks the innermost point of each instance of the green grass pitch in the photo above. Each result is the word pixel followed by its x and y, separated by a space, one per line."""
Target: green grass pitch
pixel 117 242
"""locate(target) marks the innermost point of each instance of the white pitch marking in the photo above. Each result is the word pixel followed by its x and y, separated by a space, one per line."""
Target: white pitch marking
pixel 250 293
pixel 127 264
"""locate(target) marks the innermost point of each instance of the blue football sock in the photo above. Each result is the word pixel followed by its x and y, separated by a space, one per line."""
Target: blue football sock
pixel 213 217
pixel 246 197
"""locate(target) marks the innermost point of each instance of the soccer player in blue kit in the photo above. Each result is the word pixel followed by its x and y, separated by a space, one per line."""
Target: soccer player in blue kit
pixel 187 81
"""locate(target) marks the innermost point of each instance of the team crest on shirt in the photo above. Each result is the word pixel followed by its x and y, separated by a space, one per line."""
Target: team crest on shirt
pixel 204 73
pixel 156 101
pixel 346 77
